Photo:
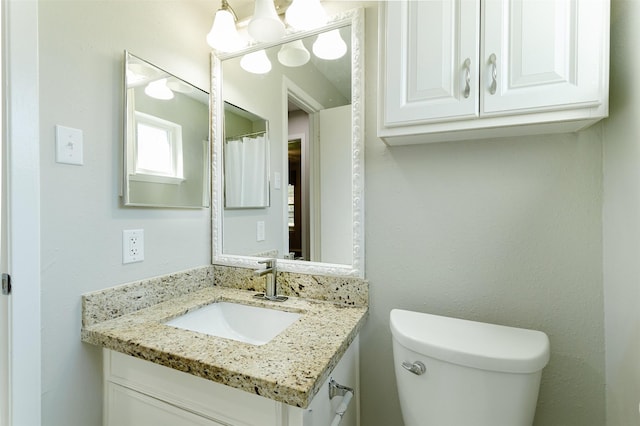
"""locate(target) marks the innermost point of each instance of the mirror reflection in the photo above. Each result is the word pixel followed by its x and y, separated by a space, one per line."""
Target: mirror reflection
pixel 315 115
pixel 303 88
pixel 166 143
pixel 246 162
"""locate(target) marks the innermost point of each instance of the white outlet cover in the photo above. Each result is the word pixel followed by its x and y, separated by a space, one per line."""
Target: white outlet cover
pixel 132 245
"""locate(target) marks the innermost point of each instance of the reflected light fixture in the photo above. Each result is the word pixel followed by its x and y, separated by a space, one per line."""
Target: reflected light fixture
pixel 159 90
pixel 294 54
pixel 256 62
pixel 265 26
pixel 138 73
pixel 224 35
pixel 329 45
pixel 306 15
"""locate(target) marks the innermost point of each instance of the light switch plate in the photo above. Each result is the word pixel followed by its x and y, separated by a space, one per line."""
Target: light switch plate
pixel 69 145
pixel 260 231
pixel 277 180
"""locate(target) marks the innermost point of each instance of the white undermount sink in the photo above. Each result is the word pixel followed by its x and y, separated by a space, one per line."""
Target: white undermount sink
pixel 249 324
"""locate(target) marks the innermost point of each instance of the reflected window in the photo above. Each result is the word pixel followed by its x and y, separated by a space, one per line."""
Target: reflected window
pixel 158 152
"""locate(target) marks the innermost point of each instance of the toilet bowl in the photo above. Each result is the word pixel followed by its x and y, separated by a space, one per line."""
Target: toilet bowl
pixel 454 372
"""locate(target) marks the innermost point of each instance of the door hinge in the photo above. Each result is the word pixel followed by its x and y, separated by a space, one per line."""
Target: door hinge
pixel 6 284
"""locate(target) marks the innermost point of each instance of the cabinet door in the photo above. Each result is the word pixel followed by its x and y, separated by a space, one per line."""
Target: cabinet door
pixel 543 55
pixel 429 61
pixel 130 408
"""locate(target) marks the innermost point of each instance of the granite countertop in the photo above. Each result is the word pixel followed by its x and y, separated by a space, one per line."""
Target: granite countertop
pixel 289 369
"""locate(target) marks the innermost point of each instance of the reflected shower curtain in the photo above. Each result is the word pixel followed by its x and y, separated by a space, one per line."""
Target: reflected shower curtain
pixel 245 164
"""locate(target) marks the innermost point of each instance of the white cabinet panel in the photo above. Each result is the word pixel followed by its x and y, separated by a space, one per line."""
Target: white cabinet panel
pixel 535 66
pixel 548 55
pixel 206 398
pixel 430 56
pixel 129 407
pixel 140 393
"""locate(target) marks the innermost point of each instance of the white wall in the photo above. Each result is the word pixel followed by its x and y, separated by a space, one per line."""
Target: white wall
pixel 336 214
pixel 82 47
pixel 622 218
pixel 505 231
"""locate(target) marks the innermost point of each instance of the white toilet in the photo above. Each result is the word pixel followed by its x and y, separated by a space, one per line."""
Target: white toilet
pixel 453 372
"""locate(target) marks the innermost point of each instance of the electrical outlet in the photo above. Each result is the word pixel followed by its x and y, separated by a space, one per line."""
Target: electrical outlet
pixel 132 245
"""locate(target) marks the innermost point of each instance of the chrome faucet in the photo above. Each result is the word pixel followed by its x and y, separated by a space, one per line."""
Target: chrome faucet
pixel 270 272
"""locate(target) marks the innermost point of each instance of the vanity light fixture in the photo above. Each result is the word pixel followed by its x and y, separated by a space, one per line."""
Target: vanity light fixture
pixel 329 45
pixel 159 90
pixel 256 62
pixel 294 54
pixel 224 35
pixel 306 15
pixel 265 25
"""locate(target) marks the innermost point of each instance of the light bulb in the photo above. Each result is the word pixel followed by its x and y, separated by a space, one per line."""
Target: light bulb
pixel 224 35
pixel 256 62
pixel 329 45
pixel 306 15
pixel 265 25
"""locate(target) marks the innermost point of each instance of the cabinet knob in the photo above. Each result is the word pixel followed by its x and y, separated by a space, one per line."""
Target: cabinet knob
pixel 467 78
pixel 494 73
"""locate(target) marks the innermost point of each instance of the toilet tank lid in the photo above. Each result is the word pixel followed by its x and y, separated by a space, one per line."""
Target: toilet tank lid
pixel 469 343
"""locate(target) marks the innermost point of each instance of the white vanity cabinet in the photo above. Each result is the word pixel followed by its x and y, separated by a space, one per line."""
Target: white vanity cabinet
pixel 468 69
pixel 141 393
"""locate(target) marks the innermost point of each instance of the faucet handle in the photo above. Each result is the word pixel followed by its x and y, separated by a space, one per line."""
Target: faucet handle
pixel 270 263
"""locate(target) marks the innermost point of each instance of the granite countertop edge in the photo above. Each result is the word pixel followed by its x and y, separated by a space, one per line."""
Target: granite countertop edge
pixel 289 369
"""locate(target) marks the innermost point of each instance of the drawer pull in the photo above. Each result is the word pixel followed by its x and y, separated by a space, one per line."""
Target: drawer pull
pixel 494 73
pixel 467 78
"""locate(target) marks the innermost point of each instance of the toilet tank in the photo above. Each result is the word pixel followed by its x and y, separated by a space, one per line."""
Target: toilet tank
pixel 476 374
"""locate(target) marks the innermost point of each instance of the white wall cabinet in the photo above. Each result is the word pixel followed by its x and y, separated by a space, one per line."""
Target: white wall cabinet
pixel 469 69
pixel 141 393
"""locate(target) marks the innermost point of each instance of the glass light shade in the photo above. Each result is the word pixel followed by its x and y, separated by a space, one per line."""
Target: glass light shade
pixel 329 45
pixel 159 90
pixel 224 35
pixel 265 26
pixel 137 73
pixel 256 62
pixel 306 15
pixel 294 54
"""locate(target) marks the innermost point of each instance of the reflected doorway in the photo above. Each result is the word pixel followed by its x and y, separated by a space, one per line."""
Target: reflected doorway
pixel 303 125
pixel 298 202
pixel 294 199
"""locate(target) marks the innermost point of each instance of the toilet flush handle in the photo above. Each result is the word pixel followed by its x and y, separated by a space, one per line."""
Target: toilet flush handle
pixel 416 368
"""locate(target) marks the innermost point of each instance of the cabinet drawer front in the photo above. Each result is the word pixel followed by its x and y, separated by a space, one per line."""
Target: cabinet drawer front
pixel 133 408
pixel 424 52
pixel 548 55
pixel 225 404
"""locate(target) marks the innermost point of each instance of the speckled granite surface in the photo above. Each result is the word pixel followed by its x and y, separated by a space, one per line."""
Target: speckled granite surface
pixel 345 290
pixel 116 301
pixel 290 368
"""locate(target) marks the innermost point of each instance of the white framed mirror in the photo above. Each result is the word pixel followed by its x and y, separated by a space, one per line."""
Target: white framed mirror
pixel 166 139
pixel 326 96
